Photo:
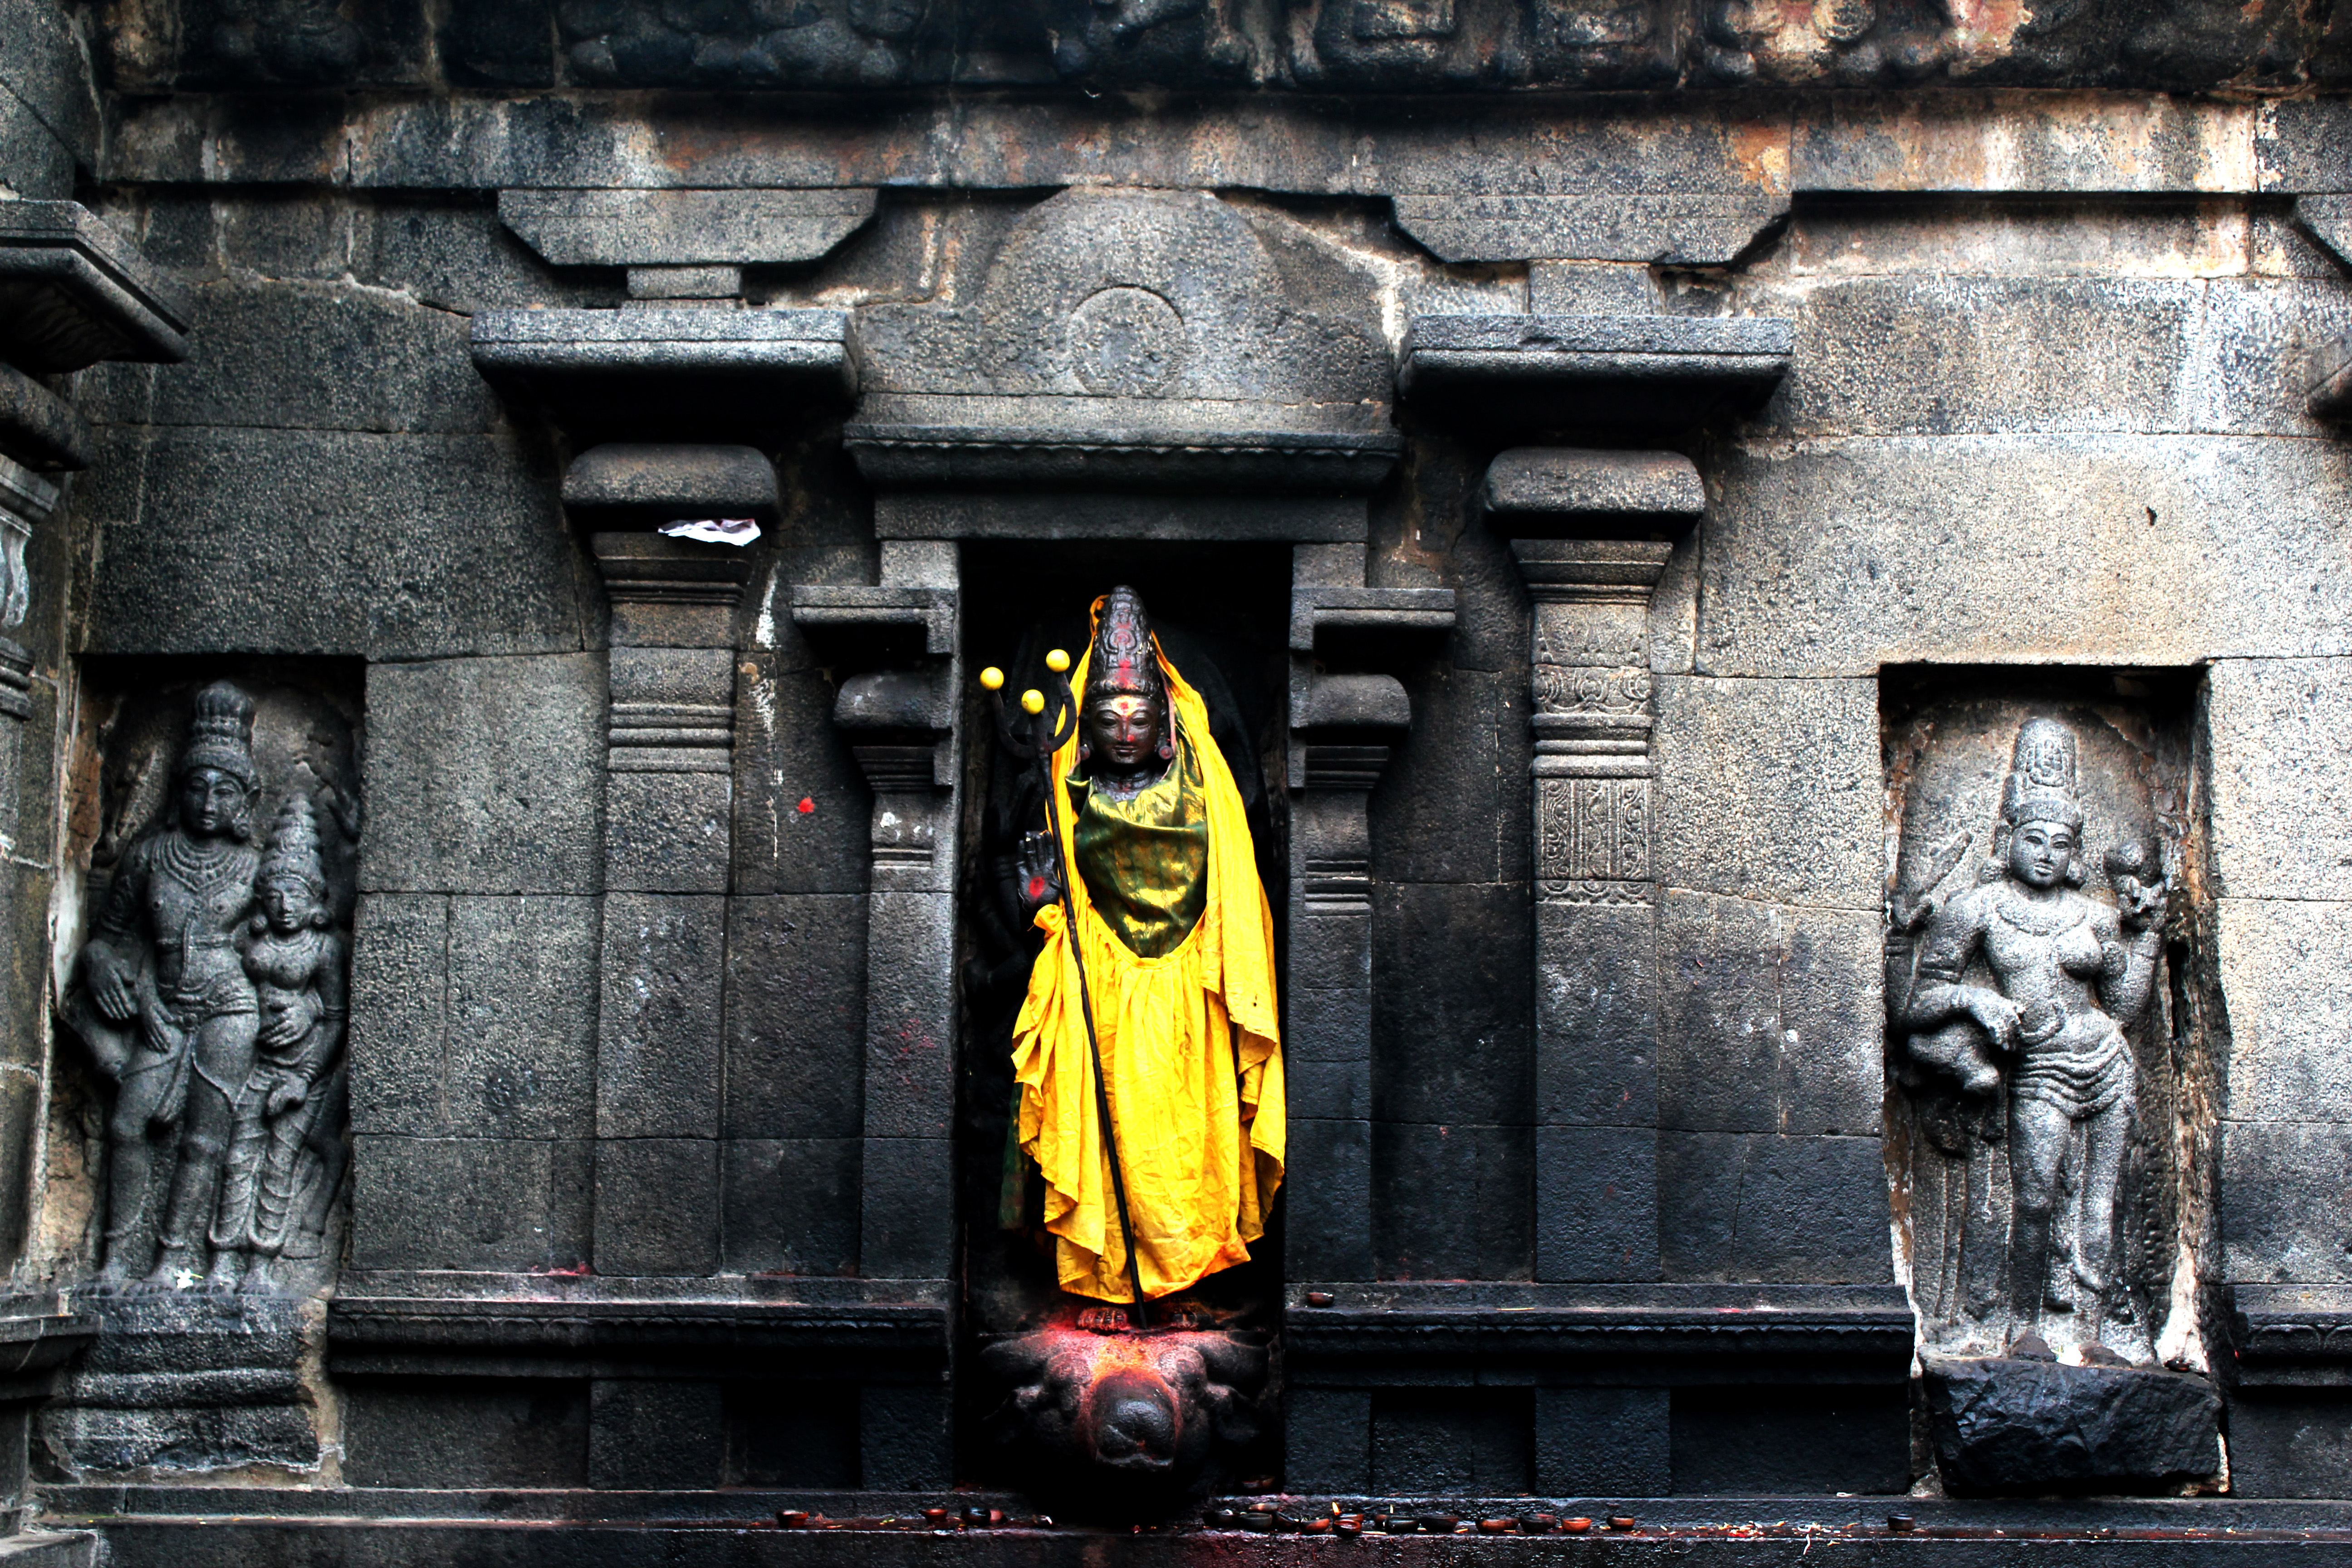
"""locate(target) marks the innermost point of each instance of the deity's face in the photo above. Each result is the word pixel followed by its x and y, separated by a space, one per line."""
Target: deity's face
pixel 290 903
pixel 213 805
pixel 1123 732
pixel 2040 852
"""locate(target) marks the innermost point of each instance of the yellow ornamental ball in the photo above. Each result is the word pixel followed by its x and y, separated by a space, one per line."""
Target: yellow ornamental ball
pixel 1059 662
pixel 992 679
pixel 1033 702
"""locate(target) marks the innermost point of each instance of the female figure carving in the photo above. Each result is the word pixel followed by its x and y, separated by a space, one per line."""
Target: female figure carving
pixel 165 1005
pixel 288 1154
pixel 1177 940
pixel 2069 974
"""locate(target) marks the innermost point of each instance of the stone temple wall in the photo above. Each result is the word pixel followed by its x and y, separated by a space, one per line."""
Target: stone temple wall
pixel 1656 484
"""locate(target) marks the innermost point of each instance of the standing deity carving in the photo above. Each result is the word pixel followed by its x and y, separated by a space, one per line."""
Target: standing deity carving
pixel 2020 995
pixel 211 992
pixel 1144 1138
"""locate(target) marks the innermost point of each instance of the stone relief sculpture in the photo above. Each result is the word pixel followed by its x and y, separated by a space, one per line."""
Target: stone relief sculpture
pixel 211 992
pixel 286 1158
pixel 2043 1109
pixel 2067 975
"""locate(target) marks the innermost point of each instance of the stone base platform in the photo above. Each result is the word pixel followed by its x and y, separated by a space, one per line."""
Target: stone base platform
pixel 366 1529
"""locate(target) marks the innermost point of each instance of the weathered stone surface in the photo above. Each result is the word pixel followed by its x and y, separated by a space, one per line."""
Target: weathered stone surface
pixel 482 773
pixel 1451 806
pixel 1452 1201
pixel 1751 1441
pixel 1760 1206
pixel 473 1017
pixel 32 159
pixel 659 1060
pixel 635 228
pixel 2290 1444
pixel 454 255
pixel 39 428
pixel 1451 1041
pixel 1883 571
pixel 521 1432
pixel 47 71
pixel 1568 486
pixel 469 1202
pixel 1595 1441
pixel 2281 966
pixel 2278 738
pixel 2280 1220
pixel 278 356
pixel 2003 1425
pixel 795 1012
pixel 791 1205
pixel 1767 1018
pixel 1800 820
pixel 657 1206
pixel 335 541
pixel 1647 378
pixel 689 480
pixel 1596 1203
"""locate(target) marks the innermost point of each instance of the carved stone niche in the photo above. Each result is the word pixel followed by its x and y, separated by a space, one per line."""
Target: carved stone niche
pixel 2051 1075
pixel 198 1126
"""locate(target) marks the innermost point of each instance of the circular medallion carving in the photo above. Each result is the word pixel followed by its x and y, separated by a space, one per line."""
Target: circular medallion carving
pixel 1126 341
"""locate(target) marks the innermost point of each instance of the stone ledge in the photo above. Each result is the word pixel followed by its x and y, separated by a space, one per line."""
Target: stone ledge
pixel 1520 1324
pixel 1631 377
pixel 73 292
pixel 686 227
pixel 1732 1532
pixel 2294 1335
pixel 697 374
pixel 444 1323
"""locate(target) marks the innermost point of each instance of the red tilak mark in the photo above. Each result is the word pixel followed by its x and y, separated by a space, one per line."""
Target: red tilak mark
pixel 1036 887
pixel 806 805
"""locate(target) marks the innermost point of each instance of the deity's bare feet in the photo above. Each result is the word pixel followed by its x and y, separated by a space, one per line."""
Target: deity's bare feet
pixel 222 1277
pixel 1103 1319
pixel 259 1281
pixel 173 1271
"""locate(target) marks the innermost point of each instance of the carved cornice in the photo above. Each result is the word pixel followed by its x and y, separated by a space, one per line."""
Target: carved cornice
pixel 1269 460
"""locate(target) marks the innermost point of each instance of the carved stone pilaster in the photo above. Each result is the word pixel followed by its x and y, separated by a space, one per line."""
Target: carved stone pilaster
pixel 26 500
pixel 668 814
pixel 1596 935
pixel 1343 728
pixel 902 720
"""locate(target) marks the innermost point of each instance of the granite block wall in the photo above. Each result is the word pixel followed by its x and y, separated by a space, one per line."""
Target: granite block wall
pixel 2056 331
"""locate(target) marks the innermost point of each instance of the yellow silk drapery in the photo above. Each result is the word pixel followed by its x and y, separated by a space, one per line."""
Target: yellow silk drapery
pixel 1192 1059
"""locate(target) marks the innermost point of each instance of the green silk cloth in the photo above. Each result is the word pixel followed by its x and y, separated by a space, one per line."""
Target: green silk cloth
pixel 1146 861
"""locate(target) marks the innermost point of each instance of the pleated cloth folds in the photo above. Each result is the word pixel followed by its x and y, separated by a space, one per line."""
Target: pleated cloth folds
pixel 1192 1056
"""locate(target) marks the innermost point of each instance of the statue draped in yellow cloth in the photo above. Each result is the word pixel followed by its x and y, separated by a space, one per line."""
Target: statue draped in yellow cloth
pixel 1177 941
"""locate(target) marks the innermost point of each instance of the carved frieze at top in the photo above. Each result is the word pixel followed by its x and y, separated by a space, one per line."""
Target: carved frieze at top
pixel 1130 339
pixel 1410 46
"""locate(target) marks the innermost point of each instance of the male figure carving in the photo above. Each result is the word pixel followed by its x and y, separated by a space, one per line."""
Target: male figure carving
pixel 1177 939
pixel 2070 975
pixel 165 1005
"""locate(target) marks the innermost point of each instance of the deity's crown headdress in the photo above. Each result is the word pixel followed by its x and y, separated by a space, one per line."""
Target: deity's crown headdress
pixel 1124 662
pixel 2042 784
pixel 293 849
pixel 220 733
